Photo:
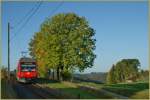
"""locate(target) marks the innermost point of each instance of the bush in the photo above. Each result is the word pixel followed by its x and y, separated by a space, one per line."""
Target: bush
pixel 66 75
pixel 4 73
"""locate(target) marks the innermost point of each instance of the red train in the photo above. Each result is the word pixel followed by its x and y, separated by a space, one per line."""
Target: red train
pixel 26 69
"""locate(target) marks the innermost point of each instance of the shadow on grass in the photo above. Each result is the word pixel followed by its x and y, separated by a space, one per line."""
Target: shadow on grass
pixel 44 81
pixel 77 93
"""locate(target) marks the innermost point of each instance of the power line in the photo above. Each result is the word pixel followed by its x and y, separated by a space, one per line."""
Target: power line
pixel 27 20
pixel 33 12
pixel 54 10
pixel 24 17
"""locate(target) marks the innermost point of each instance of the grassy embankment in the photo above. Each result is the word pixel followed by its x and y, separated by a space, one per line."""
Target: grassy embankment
pixel 6 90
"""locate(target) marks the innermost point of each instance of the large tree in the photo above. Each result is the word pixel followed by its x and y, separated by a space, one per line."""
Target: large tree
pixel 65 42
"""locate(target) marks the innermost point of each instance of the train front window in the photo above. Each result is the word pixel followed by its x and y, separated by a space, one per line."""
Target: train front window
pixel 28 67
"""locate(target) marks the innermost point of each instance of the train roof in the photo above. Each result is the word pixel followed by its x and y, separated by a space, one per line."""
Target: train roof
pixel 27 59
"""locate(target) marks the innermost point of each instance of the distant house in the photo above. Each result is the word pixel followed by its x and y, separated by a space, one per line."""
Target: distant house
pixel 131 79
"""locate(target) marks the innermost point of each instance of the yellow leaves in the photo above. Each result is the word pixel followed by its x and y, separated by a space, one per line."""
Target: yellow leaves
pixel 83 50
pixel 59 39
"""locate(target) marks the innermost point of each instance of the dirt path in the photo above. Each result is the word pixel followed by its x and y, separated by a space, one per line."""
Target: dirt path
pixel 116 96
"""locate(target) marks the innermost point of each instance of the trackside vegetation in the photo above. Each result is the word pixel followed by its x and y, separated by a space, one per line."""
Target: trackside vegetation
pixel 7 91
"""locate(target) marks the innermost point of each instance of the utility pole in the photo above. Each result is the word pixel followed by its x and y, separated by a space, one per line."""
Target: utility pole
pixel 8 51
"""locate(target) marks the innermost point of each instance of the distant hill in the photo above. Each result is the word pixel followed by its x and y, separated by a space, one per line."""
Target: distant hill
pixel 97 77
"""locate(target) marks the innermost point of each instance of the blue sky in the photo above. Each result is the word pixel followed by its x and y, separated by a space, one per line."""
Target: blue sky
pixel 121 29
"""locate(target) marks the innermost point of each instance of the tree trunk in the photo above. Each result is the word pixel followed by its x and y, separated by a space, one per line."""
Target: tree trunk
pixel 61 73
pixel 53 74
pixel 58 73
pixel 49 74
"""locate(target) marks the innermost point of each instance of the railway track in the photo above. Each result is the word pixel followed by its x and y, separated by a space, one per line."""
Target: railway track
pixel 31 91
pixel 40 91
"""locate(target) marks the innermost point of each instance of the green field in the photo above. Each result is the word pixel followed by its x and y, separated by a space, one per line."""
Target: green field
pixel 131 90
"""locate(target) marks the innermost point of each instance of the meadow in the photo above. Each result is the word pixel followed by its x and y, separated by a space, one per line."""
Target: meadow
pixel 138 90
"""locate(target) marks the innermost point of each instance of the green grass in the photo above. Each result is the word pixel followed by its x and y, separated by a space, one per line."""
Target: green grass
pixel 72 90
pixel 131 90
pixel 75 92
pixel 141 95
pixel 135 86
pixel 82 93
pixel 91 84
pixel 3 90
pixel 6 90
pixel 127 89
pixel 58 85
